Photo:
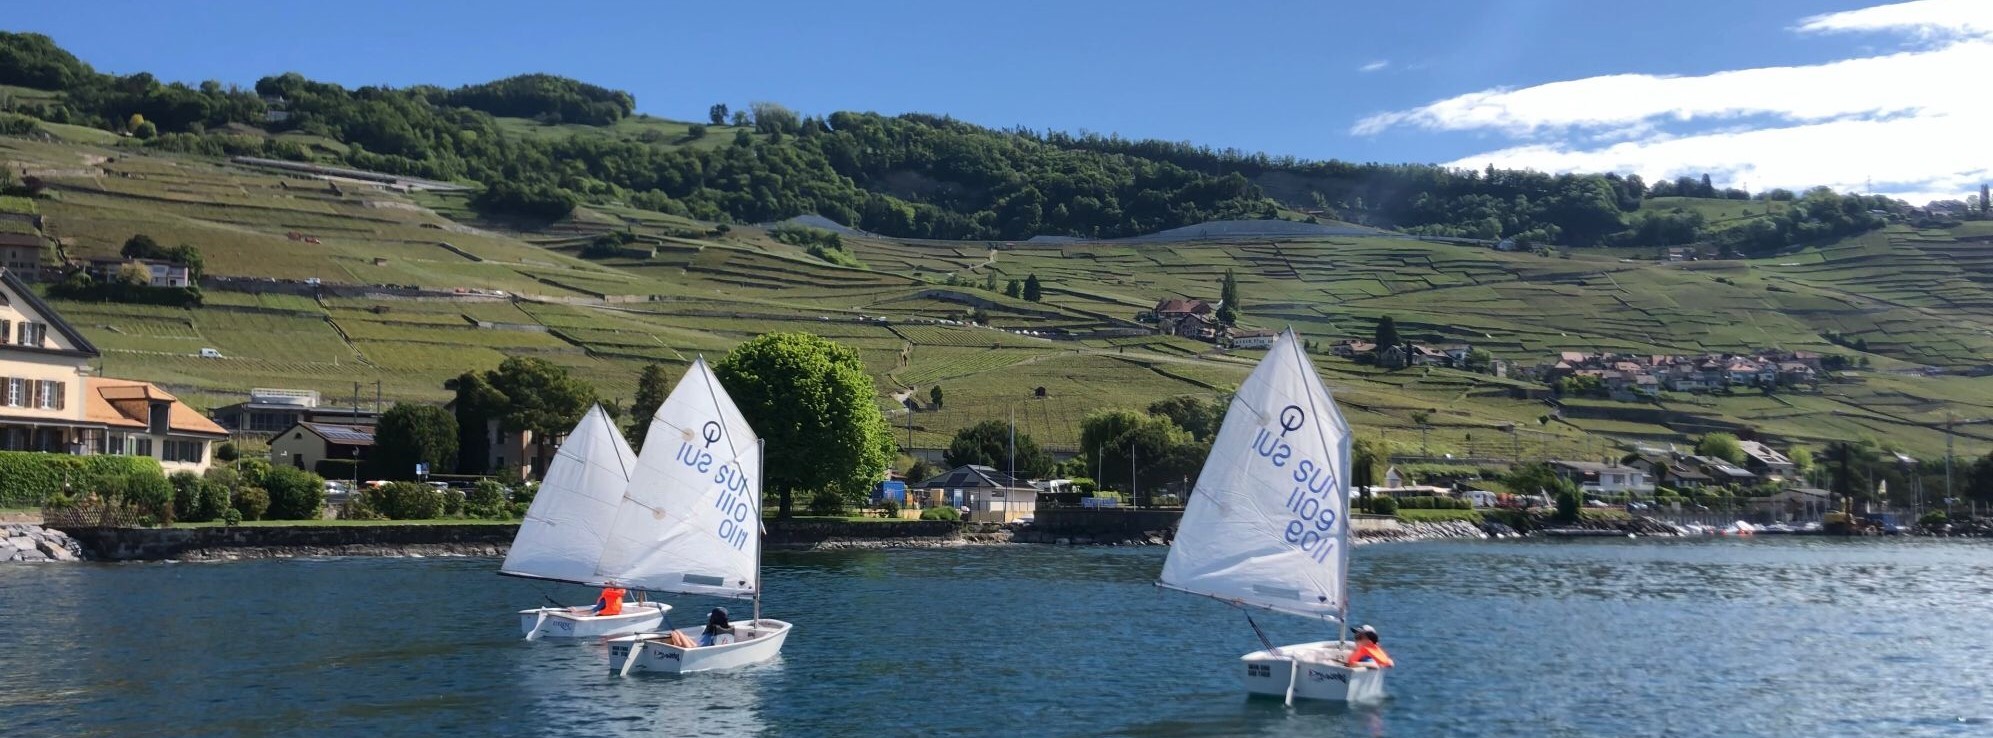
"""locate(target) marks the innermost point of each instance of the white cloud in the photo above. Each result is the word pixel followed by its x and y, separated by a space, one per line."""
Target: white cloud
pixel 1376 66
pixel 1924 18
pixel 1908 120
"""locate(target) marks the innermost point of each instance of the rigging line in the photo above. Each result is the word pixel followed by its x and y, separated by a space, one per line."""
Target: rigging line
pixel 1256 631
pixel 710 380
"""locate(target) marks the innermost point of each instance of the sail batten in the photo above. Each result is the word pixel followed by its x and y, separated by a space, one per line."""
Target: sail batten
pixel 567 525
pixel 1267 523
pixel 689 520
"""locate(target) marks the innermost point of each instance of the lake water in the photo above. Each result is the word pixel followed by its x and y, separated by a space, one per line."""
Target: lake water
pixel 1769 637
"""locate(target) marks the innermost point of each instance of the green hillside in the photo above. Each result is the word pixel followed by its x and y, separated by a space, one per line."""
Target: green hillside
pixel 1917 299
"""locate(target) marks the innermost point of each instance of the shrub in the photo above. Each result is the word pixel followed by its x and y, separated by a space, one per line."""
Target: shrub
pixel 890 509
pixel 1567 507
pixel 252 503
pixel 403 501
pixel 486 499
pixel 214 501
pixel 232 517
pixel 186 496
pixel 295 494
pixel 227 452
pixel 147 492
pixel 1384 505
pixel 940 513
pixel 28 478
pixel 522 494
pixel 1933 519
pixel 453 501
pixel 827 503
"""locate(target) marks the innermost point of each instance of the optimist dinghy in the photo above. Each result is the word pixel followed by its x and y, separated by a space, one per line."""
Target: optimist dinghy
pixel 690 523
pixel 562 537
pixel 1267 527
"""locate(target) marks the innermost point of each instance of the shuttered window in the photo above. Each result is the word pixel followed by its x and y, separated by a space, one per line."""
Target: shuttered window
pixel 6 331
pixel 51 395
pixel 16 391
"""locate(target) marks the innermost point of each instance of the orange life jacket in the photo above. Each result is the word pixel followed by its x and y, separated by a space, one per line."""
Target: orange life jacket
pixel 1371 651
pixel 612 601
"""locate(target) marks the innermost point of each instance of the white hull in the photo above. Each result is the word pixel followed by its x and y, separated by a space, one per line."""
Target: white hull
pixel 760 640
pixel 1315 670
pixel 560 622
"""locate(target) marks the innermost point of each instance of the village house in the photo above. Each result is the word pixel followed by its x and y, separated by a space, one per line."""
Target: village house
pixel 1723 472
pixel 308 445
pixel 992 496
pixel 50 402
pixel 22 253
pixel 1669 470
pixel 158 273
pixel 1769 464
pixel 1597 478
pixel 1253 339
pixel 1350 348
pixel 271 411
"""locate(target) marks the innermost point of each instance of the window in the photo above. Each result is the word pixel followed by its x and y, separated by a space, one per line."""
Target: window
pixel 184 451
pixel 141 446
pixel 31 334
pixel 16 391
pixel 53 395
pixel 6 327
pixel 114 444
pixel 160 413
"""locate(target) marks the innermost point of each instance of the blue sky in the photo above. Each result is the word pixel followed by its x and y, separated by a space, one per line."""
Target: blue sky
pixel 1519 82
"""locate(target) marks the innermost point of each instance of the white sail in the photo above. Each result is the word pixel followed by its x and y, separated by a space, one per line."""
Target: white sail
pixel 1267 524
pixel 564 530
pixel 690 519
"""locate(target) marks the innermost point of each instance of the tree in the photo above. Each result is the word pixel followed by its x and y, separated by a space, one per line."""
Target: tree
pixel 1479 360
pixel 652 387
pixel 1032 290
pixel 988 443
pixel 934 396
pixel 1013 289
pixel 1199 416
pixel 922 471
pixel 1228 299
pixel 740 119
pixel 717 114
pixel 1979 480
pixel 1387 333
pixel 541 397
pixel 295 494
pixel 409 434
pixel 141 246
pixel 1121 442
pixel 132 123
pixel 695 131
pixel 1722 446
pixel 1802 459
pixel 989 282
pixel 813 403
pixel 133 274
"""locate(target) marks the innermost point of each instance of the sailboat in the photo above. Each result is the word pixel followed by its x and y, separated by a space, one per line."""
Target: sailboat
pixel 690 523
pixel 1267 527
pixel 565 529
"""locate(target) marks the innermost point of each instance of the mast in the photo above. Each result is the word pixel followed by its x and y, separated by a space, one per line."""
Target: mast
pixel 760 463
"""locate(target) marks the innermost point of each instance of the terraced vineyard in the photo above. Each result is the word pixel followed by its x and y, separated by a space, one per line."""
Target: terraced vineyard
pixel 1917 300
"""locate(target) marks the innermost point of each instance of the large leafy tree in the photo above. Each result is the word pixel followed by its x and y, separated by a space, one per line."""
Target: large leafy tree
pixel 810 399
pixel 652 387
pixel 1228 299
pixel 989 444
pixel 1126 447
pixel 523 394
pixel 410 434
pixel 1722 446
pixel 1200 416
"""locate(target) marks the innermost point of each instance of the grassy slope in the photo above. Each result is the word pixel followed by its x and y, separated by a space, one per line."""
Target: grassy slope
pixel 1923 297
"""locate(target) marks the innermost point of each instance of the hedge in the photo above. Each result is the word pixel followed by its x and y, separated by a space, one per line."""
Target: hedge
pixel 30 478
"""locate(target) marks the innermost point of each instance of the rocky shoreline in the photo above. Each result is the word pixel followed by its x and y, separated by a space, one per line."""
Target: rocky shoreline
pixel 32 543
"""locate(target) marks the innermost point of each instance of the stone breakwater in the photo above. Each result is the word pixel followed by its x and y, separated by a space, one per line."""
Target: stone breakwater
pixel 28 543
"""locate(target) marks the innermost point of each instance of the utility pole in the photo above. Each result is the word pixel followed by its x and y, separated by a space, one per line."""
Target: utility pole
pixel 1134 497
pixel 1949 419
pixel 377 397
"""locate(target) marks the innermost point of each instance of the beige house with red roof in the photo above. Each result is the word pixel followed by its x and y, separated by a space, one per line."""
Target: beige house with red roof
pixel 50 402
